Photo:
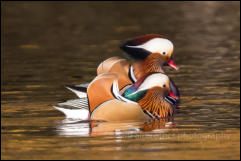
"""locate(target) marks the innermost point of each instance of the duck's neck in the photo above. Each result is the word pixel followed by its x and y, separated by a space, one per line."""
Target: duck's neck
pixel 148 65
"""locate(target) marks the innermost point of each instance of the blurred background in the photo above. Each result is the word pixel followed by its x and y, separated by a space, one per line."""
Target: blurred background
pixel 47 45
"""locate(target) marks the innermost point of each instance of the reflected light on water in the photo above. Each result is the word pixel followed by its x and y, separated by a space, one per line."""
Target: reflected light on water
pixel 47 45
pixel 79 128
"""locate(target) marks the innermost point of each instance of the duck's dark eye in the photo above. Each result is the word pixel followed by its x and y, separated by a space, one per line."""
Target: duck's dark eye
pixel 164 86
pixel 164 53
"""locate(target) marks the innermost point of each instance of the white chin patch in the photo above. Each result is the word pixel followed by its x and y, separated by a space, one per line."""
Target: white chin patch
pixel 156 45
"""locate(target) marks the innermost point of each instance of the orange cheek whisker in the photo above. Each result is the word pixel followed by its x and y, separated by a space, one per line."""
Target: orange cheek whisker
pixel 154 103
pixel 153 63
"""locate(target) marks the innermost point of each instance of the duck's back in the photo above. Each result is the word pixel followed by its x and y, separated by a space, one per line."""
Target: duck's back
pixel 99 90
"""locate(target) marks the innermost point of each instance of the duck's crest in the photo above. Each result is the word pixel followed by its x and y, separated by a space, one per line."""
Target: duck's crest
pixel 143 39
pixel 130 47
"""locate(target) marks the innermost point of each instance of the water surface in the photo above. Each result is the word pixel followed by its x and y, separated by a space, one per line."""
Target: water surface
pixel 46 45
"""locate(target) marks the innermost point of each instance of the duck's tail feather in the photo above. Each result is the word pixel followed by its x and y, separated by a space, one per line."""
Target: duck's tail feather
pixel 74 109
pixel 79 90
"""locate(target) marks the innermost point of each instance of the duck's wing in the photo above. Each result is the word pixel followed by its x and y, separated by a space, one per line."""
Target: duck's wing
pixel 74 109
pixel 106 102
pixel 107 64
pixel 103 88
pixel 112 65
pixel 119 108
pixel 119 66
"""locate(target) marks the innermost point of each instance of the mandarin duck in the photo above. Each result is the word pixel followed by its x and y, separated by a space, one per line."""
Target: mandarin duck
pixel 145 99
pixel 151 53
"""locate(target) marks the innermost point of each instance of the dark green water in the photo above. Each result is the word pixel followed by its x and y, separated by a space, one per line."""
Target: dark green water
pixel 46 45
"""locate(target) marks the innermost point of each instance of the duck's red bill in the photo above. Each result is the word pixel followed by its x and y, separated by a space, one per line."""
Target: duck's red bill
pixel 173 96
pixel 172 64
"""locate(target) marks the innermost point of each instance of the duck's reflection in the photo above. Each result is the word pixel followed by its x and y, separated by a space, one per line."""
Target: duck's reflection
pixel 79 128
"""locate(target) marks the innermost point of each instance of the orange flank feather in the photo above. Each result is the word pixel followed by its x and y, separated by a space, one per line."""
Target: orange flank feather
pixel 99 90
pixel 118 66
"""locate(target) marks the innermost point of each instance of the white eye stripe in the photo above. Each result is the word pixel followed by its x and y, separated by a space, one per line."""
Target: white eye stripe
pixel 159 45
pixel 157 79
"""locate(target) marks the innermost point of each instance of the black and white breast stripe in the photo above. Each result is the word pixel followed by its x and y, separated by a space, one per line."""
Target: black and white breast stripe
pixel 132 75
